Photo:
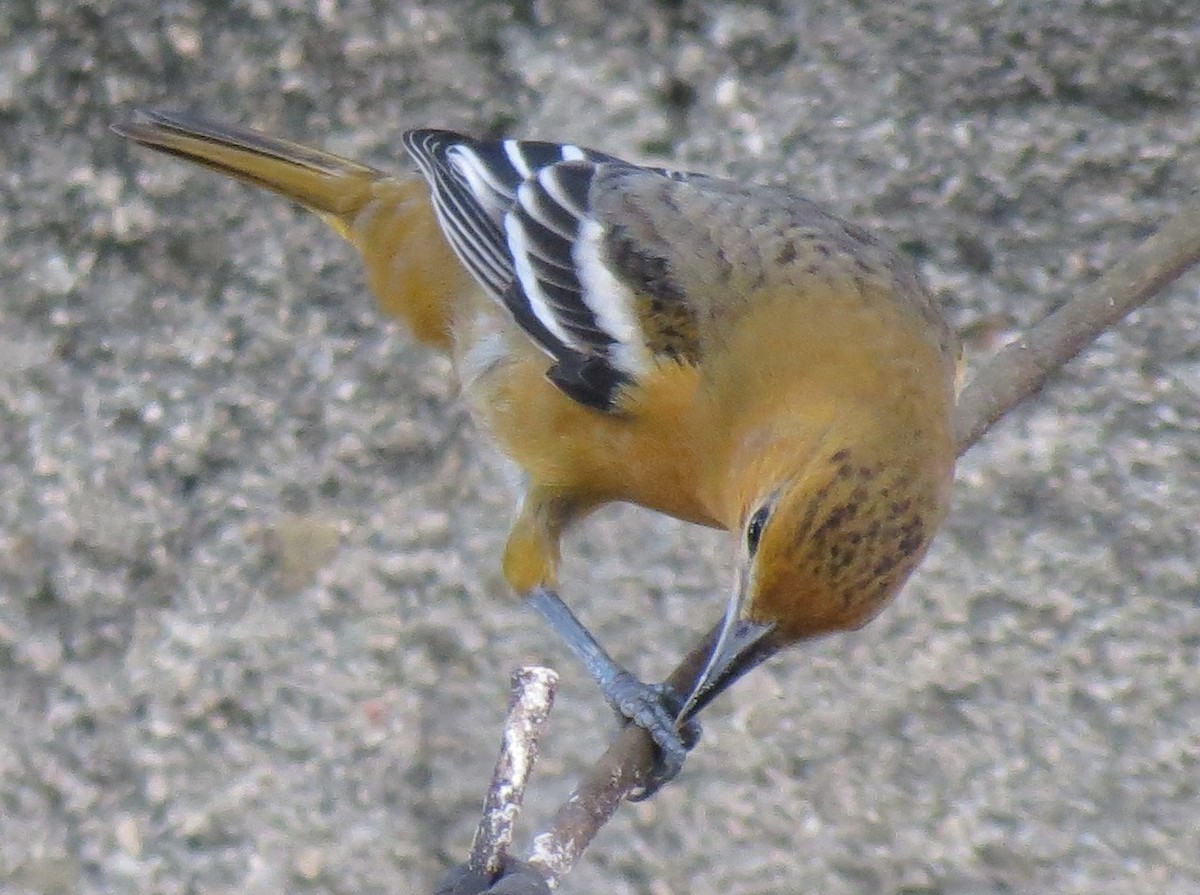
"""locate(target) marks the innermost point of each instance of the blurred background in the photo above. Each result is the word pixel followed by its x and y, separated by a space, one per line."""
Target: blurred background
pixel 253 635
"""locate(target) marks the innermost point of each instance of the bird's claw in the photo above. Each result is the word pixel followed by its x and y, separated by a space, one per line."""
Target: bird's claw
pixel 655 709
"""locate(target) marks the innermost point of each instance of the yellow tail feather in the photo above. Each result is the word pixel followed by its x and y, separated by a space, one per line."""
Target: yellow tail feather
pixel 410 267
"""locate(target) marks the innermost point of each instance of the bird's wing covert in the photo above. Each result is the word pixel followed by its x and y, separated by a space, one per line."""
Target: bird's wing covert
pixel 519 215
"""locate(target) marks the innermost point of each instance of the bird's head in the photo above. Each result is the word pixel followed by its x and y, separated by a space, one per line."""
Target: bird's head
pixel 821 550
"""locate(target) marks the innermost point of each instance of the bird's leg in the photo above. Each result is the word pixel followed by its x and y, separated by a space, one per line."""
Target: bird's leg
pixel 531 566
pixel 652 707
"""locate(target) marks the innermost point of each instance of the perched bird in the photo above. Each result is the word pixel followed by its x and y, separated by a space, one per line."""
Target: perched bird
pixel 728 354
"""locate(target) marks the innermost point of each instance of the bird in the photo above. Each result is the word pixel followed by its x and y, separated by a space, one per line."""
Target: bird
pixel 730 354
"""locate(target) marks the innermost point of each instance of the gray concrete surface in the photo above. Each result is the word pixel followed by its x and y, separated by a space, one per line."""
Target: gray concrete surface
pixel 252 634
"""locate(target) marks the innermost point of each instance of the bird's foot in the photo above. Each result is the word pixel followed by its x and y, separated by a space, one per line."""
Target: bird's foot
pixel 654 708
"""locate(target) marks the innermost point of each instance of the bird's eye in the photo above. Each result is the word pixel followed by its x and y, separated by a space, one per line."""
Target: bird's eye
pixel 754 528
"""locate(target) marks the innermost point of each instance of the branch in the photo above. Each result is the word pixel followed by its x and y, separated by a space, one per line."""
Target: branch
pixel 533 690
pixel 1021 368
pixel 1012 375
pixel 624 767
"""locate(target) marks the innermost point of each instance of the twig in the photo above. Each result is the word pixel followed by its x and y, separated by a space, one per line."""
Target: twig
pixel 1021 368
pixel 1011 376
pixel 533 690
pixel 624 767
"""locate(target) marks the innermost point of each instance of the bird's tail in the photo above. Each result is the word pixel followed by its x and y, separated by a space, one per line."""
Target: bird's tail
pixel 410 267
pixel 330 185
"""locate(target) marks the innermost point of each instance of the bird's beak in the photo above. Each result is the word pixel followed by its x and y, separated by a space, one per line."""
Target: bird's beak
pixel 740 646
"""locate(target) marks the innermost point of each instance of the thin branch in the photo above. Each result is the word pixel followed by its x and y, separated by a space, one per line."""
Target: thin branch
pixel 624 767
pixel 1013 375
pixel 1021 368
pixel 533 690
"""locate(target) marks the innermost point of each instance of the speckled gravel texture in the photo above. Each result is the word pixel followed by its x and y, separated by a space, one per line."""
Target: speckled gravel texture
pixel 253 636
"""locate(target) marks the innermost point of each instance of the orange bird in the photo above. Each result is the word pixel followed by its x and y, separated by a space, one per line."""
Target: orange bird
pixel 728 354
